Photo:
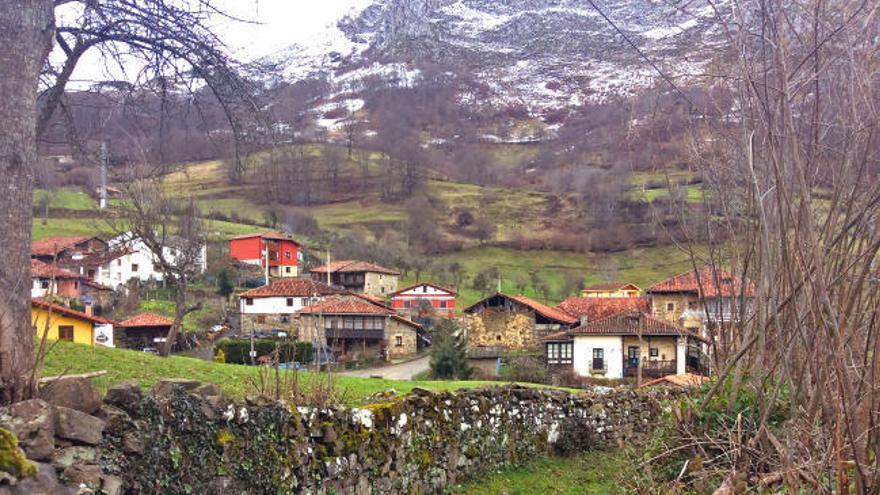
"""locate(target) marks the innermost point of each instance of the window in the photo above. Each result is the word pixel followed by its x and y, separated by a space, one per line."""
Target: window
pixel 407 304
pixel 249 301
pixel 598 359
pixel 285 318
pixel 653 352
pixel 134 267
pixel 44 284
pixel 287 255
pixel 443 304
pixel 76 284
pixel 559 352
pixel 118 262
pixel 498 338
pixel 261 318
pixel 348 322
pixel 65 333
pixel 290 301
pixel 398 341
pixel 692 305
pixel 286 269
pixel 670 306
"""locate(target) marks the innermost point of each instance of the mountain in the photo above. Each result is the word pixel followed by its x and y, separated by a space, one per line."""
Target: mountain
pixel 540 53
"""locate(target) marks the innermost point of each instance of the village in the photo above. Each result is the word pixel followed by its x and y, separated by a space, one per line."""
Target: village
pixel 353 313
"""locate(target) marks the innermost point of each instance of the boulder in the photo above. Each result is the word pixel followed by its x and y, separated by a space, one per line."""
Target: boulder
pixel 72 392
pixel 44 482
pixel 132 444
pixel 111 485
pixel 88 474
pixel 124 395
pixel 113 416
pixel 164 387
pixel 78 426
pixel 32 422
pixel 70 456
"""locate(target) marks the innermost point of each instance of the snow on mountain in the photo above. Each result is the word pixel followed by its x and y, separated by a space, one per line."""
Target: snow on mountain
pixel 546 53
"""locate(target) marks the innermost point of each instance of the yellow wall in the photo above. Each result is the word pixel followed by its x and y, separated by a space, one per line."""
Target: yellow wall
pixel 83 331
pixel 611 293
pixel 660 302
pixel 665 346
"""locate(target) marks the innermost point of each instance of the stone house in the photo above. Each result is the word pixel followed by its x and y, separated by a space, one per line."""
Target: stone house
pixel 701 298
pixel 615 346
pixel 358 276
pixel 612 289
pixel 512 322
pixel 274 306
pixel 357 328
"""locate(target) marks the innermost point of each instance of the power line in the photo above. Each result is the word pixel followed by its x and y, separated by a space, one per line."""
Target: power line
pixel 640 52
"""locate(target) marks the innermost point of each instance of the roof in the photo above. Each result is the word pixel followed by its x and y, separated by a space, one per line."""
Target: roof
pixel 371 299
pixel 705 282
pixel 540 308
pixel 351 266
pixel 293 287
pixel 45 270
pixel 611 286
pixel 64 310
pixel 51 246
pixel 630 322
pixel 277 236
pixel 346 306
pixel 557 336
pixel 429 284
pixel 147 320
pixel 594 308
pixel 687 380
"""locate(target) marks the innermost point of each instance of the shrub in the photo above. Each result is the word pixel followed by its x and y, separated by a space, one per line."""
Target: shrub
pixel 525 369
pixel 220 356
pixel 237 351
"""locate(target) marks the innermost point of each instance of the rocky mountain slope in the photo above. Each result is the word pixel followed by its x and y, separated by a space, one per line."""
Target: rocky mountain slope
pixel 541 53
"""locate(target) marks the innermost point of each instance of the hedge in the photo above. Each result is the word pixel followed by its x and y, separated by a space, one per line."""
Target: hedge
pixel 237 351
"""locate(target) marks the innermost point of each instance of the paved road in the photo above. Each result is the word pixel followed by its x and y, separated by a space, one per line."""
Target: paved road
pixel 402 371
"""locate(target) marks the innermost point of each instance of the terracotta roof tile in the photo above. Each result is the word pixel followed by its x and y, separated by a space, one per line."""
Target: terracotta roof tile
pixel 372 299
pixel 147 320
pixel 540 308
pixel 429 284
pixel 278 236
pixel 293 287
pixel 346 306
pixel 611 286
pixel 350 266
pixel 64 310
pixel 594 308
pixel 630 322
pixel 712 283
pixel 51 246
pixel 45 270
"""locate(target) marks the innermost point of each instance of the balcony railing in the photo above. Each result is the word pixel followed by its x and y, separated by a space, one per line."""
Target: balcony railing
pixel 354 333
pixel 651 368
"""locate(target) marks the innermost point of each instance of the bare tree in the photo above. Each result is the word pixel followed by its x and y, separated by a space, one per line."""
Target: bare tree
pixel 174 233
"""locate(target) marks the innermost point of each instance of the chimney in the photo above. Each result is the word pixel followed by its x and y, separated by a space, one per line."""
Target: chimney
pixel 584 319
pixel 88 308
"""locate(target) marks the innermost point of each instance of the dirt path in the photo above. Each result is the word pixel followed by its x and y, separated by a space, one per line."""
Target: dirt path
pixel 402 371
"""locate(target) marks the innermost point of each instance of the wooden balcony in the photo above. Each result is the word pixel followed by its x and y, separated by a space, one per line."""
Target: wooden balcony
pixel 354 333
pixel 652 369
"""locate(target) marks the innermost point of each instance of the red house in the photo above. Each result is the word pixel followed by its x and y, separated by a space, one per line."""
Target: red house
pixel 414 300
pixel 280 250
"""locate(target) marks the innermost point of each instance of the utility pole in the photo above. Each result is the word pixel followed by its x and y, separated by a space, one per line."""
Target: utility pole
pixel 102 192
pixel 328 267
pixel 266 263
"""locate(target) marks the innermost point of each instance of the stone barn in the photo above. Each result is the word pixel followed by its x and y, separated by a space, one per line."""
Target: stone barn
pixel 512 322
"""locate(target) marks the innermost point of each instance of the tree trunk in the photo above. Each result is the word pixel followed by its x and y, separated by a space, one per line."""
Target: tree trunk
pixel 26 30
pixel 180 310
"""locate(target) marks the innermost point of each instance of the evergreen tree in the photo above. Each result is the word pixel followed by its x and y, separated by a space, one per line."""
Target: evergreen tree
pixel 224 283
pixel 448 356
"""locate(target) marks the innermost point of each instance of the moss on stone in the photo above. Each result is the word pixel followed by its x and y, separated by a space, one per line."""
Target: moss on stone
pixel 12 459
pixel 224 437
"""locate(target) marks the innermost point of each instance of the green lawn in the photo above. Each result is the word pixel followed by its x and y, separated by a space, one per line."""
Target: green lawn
pixel 67 198
pixel 235 380
pixel 68 227
pixel 589 473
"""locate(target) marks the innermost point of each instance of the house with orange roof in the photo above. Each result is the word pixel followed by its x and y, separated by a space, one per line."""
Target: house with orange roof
pixel 358 276
pixel 587 309
pixel 277 252
pixel 50 281
pixel 142 331
pixel 275 305
pixel 356 328
pixel 611 289
pixel 59 322
pixel 512 322
pixel 616 345
pixel 702 297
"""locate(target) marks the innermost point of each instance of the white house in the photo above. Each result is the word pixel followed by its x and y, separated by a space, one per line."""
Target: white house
pixel 129 258
pixel 273 305
pixel 613 347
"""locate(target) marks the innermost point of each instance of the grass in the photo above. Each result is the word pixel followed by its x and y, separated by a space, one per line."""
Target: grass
pixel 68 227
pixel 66 198
pixel 589 473
pixel 643 267
pixel 147 369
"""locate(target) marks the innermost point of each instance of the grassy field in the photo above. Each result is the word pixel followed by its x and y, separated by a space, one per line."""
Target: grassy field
pixel 67 198
pixel 235 380
pixel 589 473
pixel 642 267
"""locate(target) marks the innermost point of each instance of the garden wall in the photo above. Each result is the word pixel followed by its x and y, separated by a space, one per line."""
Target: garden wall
pixel 186 438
